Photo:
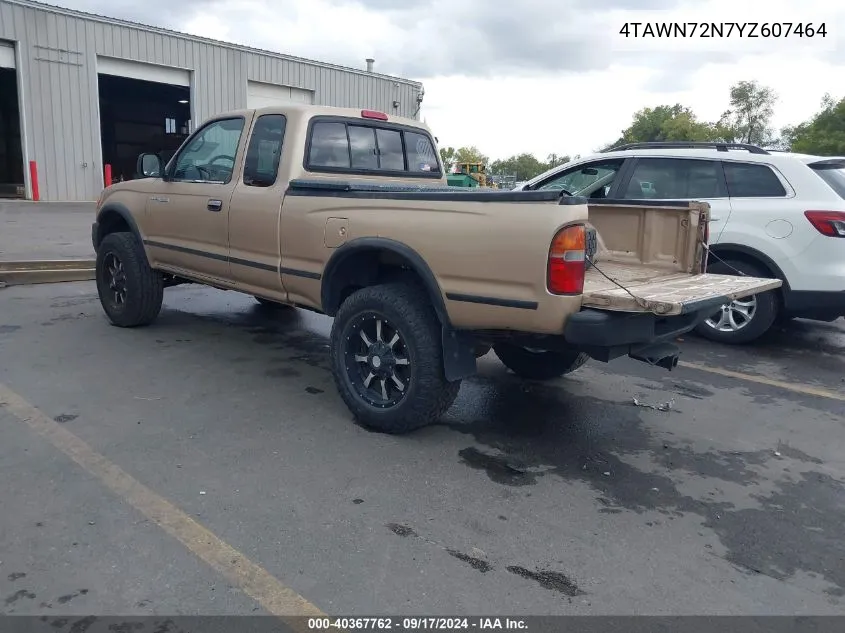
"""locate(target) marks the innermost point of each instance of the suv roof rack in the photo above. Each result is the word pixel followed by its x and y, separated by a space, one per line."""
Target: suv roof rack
pixel 722 147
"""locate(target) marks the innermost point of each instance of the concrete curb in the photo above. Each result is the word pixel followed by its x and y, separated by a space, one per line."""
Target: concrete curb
pixel 45 271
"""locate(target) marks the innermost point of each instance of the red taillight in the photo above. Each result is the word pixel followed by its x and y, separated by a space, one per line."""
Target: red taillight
pixel 567 263
pixel 373 114
pixel 830 223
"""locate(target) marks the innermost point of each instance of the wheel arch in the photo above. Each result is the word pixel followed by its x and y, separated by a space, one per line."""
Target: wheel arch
pixel 368 260
pixel 752 256
pixel 114 217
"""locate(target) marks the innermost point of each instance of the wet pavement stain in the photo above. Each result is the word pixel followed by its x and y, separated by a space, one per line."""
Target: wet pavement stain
pixel 542 428
pixel 764 540
pixel 16 576
pixel 65 417
pixel 357 501
pixel 313 390
pixel 552 580
pixel 67 598
pixel 18 595
pixel 581 438
pixel 496 468
pixel 401 530
pixel 8 329
pixel 786 450
pixel 282 372
pixel 476 563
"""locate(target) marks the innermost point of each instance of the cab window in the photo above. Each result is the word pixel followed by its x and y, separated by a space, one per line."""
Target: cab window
pixel 261 166
pixel 210 155
pixel 362 147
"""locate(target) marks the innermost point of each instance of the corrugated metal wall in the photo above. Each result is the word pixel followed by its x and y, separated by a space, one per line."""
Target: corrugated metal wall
pixel 57 77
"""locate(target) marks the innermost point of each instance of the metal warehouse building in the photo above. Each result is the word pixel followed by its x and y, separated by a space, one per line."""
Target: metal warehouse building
pixel 82 95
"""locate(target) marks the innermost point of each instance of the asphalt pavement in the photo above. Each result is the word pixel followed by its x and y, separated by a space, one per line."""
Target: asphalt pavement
pixel 134 464
pixel 45 230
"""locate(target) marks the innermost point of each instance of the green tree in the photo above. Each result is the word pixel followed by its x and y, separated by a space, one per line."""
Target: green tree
pixel 525 166
pixel 448 155
pixel 471 154
pixel 553 160
pixel 823 134
pixel 748 120
pixel 667 123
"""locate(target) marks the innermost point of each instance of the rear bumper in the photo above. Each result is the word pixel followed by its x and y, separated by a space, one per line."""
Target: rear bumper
pixel 815 304
pixel 606 335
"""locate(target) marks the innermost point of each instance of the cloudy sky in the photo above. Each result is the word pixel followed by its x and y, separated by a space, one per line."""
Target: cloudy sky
pixel 540 76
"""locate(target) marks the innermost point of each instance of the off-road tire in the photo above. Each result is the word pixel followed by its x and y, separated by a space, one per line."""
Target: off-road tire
pixel 765 315
pixel 144 286
pixel 428 394
pixel 539 365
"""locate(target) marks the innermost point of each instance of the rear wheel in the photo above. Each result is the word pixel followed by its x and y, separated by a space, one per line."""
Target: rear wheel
pixel 387 358
pixel 130 291
pixel 746 319
pixel 534 364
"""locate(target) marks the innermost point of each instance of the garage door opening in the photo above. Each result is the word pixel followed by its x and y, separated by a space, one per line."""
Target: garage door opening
pixel 11 153
pixel 138 116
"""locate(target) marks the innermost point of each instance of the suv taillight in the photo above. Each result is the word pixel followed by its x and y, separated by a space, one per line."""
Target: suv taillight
pixel 567 263
pixel 830 223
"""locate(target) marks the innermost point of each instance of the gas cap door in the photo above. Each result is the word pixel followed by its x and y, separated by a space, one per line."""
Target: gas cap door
pixel 336 232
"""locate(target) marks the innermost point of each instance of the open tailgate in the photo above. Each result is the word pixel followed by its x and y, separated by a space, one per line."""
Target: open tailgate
pixel 649 260
pixel 668 294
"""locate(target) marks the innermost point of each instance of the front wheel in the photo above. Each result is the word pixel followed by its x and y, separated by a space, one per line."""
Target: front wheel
pixel 533 364
pixel 746 319
pixel 130 291
pixel 387 358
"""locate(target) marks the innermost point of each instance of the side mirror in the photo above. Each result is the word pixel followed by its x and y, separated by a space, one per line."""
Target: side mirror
pixel 590 171
pixel 150 166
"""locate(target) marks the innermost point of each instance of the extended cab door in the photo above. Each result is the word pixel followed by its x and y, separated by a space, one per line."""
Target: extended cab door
pixel 189 214
pixel 673 178
pixel 254 254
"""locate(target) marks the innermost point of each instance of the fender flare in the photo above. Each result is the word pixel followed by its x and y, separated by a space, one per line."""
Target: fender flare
pixel 329 293
pixel 755 254
pixel 114 208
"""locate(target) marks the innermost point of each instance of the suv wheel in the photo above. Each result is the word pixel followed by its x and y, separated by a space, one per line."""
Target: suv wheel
pixel 746 319
pixel 130 291
pixel 387 358
pixel 533 364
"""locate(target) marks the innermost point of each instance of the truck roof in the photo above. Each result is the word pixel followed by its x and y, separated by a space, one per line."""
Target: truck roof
pixel 307 111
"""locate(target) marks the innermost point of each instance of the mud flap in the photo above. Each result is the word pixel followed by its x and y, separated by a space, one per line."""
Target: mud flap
pixel 458 355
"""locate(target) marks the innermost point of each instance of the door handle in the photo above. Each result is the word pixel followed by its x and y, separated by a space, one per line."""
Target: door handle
pixel 215 205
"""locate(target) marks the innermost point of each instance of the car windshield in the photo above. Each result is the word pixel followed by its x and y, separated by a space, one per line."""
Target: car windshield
pixel 835 178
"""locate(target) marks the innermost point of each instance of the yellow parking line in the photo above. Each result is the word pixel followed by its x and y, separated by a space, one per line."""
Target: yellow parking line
pixel 789 386
pixel 250 577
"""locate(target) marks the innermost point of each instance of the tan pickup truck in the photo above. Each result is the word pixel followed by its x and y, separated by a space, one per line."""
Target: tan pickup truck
pixel 347 212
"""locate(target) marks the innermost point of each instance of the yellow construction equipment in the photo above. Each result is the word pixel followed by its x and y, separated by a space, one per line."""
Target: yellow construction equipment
pixel 470 175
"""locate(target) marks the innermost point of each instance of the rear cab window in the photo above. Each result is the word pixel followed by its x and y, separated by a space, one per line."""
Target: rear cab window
pixel 359 146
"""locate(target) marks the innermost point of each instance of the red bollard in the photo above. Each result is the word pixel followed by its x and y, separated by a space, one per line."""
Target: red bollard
pixel 107 169
pixel 33 177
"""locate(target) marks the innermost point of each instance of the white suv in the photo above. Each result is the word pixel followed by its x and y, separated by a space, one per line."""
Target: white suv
pixel 773 214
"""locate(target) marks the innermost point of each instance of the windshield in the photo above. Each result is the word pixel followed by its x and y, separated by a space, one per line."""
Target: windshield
pixel 835 178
